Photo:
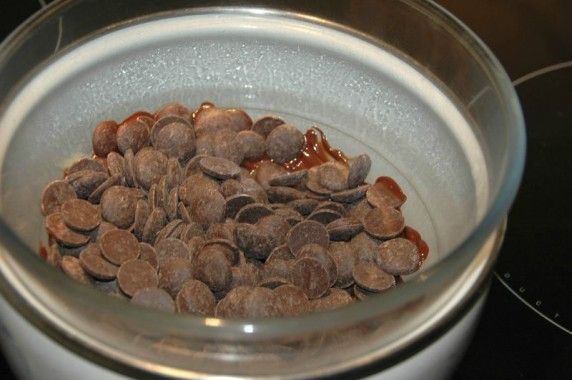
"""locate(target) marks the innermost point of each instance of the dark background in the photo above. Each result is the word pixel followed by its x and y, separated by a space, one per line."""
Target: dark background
pixel 514 339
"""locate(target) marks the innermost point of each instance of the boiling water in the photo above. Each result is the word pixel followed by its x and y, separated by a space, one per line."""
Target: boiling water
pixel 366 99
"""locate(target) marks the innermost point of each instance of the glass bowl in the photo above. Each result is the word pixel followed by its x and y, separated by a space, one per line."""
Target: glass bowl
pixel 403 81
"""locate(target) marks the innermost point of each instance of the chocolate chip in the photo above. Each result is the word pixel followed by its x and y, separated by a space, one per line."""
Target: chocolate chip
pixel 132 135
pixel 398 257
pixel 344 258
pixel 212 119
pixel 94 264
pixel 163 121
pixel 175 109
pixel 232 305
pixel 195 186
pixel 70 251
pixel 118 205
pixel 169 248
pixel 63 234
pixel 222 231
pixel 344 228
pixel 313 183
pixel 276 226
pixel 317 252
pixel 162 193
pixel 252 213
pixel 334 206
pixel 196 298
pixel 358 170
pixel 154 224
pixel 103 227
pixel 116 164
pixel 219 168
pixel 290 215
pixel 142 211
pixel 130 176
pixel 267 171
pixel 84 182
pixel 292 299
pixel 334 299
pixel 266 124
pixel 261 302
pixel 176 234
pixel 70 266
pixel 361 293
pixel 282 252
pixel 360 209
pixel 192 166
pixel 244 275
pixel 255 242
pixel 104 138
pixel 365 247
pixel 283 194
pixel 168 230
pixel 372 278
pixel 208 208
pixel 226 145
pixel 231 187
pixel 54 195
pixel 171 204
pixel 135 275
pixel 85 164
pixel 95 196
pixel 148 254
pixel 174 175
pixel 320 197
pixel 119 246
pixel 195 241
pixel 183 213
pixel 290 179
pixel 205 144
pixel 80 215
pixel 333 176
pixel 351 195
pixel 252 144
pixel 53 255
pixel 176 140
pixel 380 195
pixel 235 203
pixel 149 165
pixel 273 282
pixel 307 232
pixel 226 246
pixel 277 268
pixel 324 216
pixel 154 298
pixel 214 269
pixel 384 223
pixel 311 276
pixel 284 143
pixel 252 188
pixel 304 206
pixel 174 273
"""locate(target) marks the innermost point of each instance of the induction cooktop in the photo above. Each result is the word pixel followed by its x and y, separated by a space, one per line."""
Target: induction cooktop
pixel 525 331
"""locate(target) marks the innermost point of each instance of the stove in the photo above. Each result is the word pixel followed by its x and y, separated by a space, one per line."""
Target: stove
pixel 525 331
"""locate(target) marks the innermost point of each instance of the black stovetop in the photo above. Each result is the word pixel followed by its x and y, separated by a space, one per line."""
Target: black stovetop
pixel 526 328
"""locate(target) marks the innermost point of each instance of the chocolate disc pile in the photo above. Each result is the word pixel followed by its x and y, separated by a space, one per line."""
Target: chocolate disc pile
pixel 203 213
